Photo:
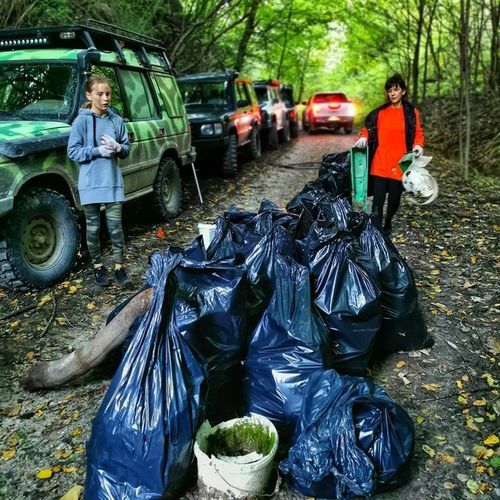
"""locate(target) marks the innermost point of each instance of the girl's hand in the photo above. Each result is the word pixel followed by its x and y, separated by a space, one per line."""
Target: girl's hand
pixel 361 143
pixel 418 151
pixel 111 144
pixel 104 151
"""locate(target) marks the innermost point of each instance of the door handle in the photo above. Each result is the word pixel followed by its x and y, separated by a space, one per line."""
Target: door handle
pixel 162 132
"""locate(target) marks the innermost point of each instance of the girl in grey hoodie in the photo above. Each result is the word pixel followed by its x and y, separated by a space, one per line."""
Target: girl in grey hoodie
pixel 98 137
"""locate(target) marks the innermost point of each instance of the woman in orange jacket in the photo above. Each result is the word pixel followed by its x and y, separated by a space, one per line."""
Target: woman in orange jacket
pixel 390 132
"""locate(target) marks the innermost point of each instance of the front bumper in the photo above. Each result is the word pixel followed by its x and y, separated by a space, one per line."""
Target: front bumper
pixel 207 147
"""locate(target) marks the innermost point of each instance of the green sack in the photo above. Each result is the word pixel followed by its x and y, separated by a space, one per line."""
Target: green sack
pixel 359 177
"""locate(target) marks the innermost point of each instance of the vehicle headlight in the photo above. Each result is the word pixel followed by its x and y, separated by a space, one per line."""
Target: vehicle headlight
pixel 211 129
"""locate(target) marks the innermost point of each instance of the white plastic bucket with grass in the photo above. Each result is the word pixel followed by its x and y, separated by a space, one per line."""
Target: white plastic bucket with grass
pixel 236 457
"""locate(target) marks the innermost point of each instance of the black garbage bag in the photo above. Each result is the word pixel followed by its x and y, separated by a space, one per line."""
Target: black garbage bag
pixel 351 439
pixel 403 326
pixel 289 343
pixel 335 174
pixel 347 296
pixel 143 434
pixel 211 315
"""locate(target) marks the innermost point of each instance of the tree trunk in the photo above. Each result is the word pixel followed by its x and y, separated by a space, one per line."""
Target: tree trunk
pixel 285 41
pixel 494 77
pixel 416 52
pixel 247 34
pixel 55 373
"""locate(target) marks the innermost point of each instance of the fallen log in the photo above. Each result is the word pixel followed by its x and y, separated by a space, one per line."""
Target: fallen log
pixel 50 374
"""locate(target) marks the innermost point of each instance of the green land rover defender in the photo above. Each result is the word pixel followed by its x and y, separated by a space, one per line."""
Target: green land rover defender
pixel 42 77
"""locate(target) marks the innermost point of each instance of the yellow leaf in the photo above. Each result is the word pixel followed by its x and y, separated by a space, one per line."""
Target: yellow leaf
pixel 76 432
pixel 480 402
pixel 431 387
pixel 481 452
pixel 435 271
pixel 489 379
pixel 15 411
pixel 447 458
pixel 75 415
pixel 8 454
pixel 481 469
pixel 38 413
pixel 459 384
pixel 400 364
pixel 72 289
pixel 473 486
pixel 74 493
pixel 420 419
pixel 430 451
pixel 90 306
pixel 448 485
pixel 29 355
pixel 56 468
pixel 63 453
pixel 471 425
pixel 69 470
pixel 465 378
pixel 80 449
pixel 44 299
pixel 13 440
pixel 44 474
pixel 462 400
pixel 15 324
pixel 473 259
pixel 61 320
pixel 491 440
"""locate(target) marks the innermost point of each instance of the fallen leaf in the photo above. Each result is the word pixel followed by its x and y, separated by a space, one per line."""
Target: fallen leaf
pixel 72 289
pixel 481 469
pixel 76 432
pixel 44 300
pixel 160 233
pixel 15 411
pixel 473 259
pixel 430 451
pixel 74 493
pixel 459 384
pixel 90 306
pixel 472 486
pixel 495 462
pixel 44 474
pixel 489 379
pixel 56 468
pixel 447 484
pixel 420 419
pixel 491 440
pixel 400 364
pixel 462 400
pixel 15 324
pixel 480 402
pixel 431 387
pixel 471 425
pixel 8 454
pixel 446 458
pixel 63 453
pixel 435 272
pixel 29 355
pixel 70 470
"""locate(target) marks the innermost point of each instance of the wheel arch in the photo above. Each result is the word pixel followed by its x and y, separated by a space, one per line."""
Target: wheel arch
pixel 51 181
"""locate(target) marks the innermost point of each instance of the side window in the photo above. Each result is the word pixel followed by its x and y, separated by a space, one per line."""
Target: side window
pixel 116 98
pixel 251 93
pixel 170 96
pixel 138 94
pixel 241 92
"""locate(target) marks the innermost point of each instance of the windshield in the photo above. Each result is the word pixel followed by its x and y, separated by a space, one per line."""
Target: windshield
pixel 330 97
pixel 205 94
pixel 36 91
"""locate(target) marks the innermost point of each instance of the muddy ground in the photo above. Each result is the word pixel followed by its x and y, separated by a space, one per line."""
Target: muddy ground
pixel 450 390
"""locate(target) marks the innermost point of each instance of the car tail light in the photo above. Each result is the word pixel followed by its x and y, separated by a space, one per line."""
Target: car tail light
pixel 316 109
pixel 351 109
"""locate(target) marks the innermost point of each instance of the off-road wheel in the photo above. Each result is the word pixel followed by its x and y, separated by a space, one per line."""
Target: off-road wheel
pixel 294 130
pixel 285 134
pixel 39 241
pixel 348 128
pixel 272 137
pixel 230 158
pixel 254 148
pixel 167 189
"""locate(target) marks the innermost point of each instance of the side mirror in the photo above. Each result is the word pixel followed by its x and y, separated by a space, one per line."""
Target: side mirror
pixel 242 103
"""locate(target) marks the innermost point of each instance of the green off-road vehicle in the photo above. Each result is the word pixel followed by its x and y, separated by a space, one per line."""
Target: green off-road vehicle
pixel 42 77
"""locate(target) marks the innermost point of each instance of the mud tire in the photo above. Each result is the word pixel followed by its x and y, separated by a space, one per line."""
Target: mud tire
pixel 167 189
pixel 39 241
pixel 230 158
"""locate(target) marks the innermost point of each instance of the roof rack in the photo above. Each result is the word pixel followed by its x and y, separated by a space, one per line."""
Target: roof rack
pixel 91 35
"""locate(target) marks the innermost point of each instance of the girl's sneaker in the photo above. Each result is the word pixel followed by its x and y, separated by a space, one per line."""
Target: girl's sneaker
pixel 101 276
pixel 121 276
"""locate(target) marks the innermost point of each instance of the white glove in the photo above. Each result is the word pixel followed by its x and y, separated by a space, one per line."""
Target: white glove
pixel 418 151
pixel 361 143
pixel 111 144
pixel 104 151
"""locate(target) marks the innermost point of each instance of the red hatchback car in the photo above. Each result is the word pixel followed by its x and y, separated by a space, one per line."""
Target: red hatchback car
pixel 329 110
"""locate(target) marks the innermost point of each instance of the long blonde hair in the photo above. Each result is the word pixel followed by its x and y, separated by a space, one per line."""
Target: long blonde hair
pixel 93 80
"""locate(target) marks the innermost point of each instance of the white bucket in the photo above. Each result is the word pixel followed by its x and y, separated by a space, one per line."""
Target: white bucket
pixel 238 477
pixel 207 231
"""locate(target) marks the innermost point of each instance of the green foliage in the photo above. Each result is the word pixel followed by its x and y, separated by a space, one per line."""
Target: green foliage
pixel 241 439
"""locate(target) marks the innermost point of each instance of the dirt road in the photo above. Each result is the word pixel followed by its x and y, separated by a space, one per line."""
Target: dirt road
pixel 449 390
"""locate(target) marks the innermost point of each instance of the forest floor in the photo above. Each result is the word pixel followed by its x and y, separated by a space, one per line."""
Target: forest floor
pixel 449 390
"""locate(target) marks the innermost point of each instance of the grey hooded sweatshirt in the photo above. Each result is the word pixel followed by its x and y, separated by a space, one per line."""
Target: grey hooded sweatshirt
pixel 100 179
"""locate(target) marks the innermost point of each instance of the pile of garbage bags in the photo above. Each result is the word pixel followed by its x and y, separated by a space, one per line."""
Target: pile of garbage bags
pixel 279 316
